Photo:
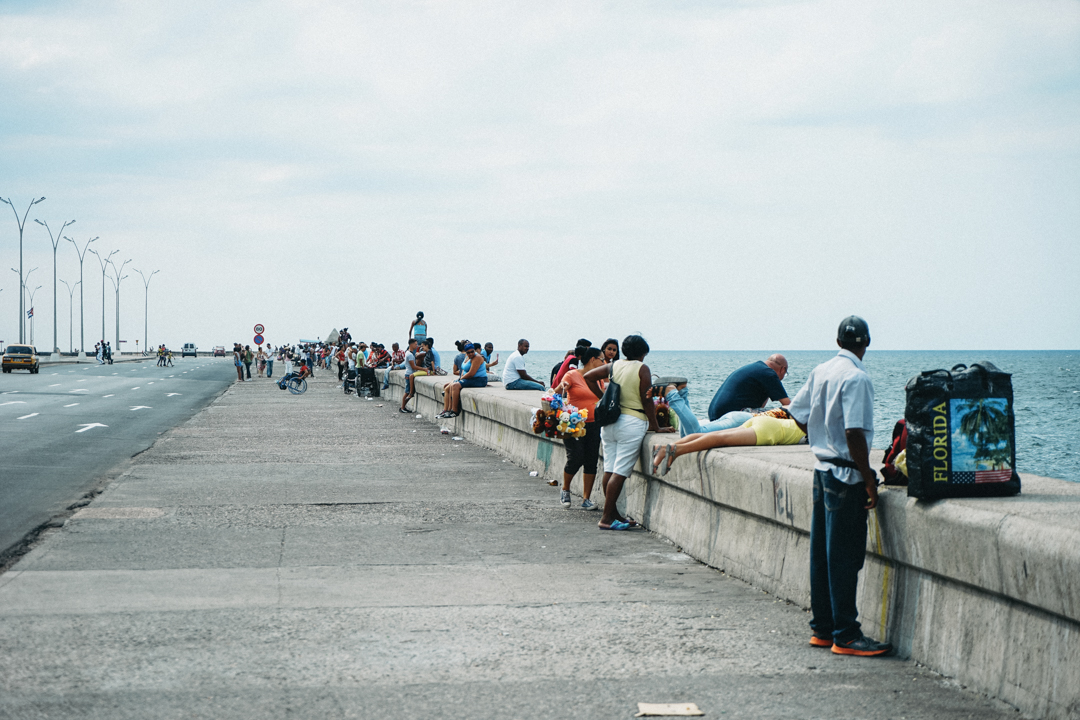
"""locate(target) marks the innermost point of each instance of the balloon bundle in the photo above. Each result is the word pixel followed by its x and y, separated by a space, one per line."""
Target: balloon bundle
pixel 558 418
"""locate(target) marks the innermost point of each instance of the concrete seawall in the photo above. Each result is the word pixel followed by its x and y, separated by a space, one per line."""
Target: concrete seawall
pixel 985 591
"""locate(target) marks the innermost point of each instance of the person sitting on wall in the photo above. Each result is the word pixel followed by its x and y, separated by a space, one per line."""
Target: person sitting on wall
pixel 772 427
pixel 473 375
pixel 514 375
pixel 751 386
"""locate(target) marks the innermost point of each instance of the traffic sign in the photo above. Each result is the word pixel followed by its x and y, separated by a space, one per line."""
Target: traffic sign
pixel 259 329
pixel 258 339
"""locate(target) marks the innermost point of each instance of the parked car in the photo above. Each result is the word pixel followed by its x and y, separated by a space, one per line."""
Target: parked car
pixel 219 351
pixel 21 357
pixel 188 349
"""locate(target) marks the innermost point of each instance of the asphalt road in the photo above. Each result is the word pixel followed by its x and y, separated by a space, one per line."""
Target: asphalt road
pixel 67 427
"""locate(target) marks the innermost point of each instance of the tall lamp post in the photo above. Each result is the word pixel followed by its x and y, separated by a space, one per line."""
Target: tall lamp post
pixel 82 313
pixel 22 279
pixel 55 242
pixel 117 270
pixel 71 301
pixel 104 266
pixel 146 303
pixel 22 298
pixel 32 313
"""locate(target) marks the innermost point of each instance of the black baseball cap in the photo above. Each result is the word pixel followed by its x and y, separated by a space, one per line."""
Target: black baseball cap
pixel 853 329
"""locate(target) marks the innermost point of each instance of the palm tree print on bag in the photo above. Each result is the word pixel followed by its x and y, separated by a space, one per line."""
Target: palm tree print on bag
pixel 981 441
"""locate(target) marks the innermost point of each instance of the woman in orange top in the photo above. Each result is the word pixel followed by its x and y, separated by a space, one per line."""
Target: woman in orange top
pixel 583 452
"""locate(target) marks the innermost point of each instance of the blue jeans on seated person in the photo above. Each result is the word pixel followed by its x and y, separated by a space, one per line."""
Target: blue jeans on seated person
pixel 689 424
pixel 386 376
pixel 837 552
pixel 523 384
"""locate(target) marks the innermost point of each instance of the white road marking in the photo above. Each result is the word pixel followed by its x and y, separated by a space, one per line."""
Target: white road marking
pixel 9 392
pixel 71 405
pixel 79 390
pixel 136 388
pixel 87 426
pixel 105 396
pixel 14 402
pixel 142 407
pixel 27 416
pixel 171 394
pixel 150 383
pixel 54 384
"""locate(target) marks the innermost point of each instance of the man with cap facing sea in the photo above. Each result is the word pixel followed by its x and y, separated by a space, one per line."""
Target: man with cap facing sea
pixel 835 408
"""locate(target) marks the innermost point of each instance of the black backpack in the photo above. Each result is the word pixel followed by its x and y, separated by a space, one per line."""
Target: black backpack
pixel 961 433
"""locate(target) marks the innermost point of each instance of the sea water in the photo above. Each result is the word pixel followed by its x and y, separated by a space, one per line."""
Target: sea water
pixel 1046 390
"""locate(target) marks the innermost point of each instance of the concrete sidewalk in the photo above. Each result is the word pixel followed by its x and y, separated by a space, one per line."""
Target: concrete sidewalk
pixel 324 556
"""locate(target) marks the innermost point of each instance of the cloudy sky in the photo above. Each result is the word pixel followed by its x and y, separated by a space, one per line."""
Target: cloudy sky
pixel 714 175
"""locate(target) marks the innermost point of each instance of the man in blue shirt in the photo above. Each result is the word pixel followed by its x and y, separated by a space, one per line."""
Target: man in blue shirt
pixel 751 386
pixel 835 408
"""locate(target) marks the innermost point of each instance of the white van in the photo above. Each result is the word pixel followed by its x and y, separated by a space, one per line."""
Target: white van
pixel 188 349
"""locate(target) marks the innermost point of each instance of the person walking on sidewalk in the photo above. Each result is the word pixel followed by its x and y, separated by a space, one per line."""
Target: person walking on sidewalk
pixel 270 363
pixel 836 409
pixel 248 357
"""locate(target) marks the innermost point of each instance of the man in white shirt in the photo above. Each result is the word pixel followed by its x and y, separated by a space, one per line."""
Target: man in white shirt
pixel 410 368
pixel 514 375
pixel 835 408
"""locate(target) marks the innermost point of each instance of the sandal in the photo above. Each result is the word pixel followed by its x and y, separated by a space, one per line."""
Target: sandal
pixel 669 457
pixel 615 525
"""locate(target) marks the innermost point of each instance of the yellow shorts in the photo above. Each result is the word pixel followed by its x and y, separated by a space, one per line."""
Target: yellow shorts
pixel 771 431
pixel 420 373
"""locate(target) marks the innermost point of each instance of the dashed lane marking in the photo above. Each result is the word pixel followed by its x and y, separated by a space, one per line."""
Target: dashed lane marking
pixel 13 402
pixel 79 390
pixel 87 426
pixel 171 394
pixel 27 416
pixel 136 388
pixel 105 396
pixel 71 405
pixel 142 407
pixel 54 384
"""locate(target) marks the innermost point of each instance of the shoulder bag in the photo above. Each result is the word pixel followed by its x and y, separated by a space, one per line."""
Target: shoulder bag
pixel 608 406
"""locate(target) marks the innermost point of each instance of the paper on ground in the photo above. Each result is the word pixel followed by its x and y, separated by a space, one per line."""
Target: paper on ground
pixel 667 709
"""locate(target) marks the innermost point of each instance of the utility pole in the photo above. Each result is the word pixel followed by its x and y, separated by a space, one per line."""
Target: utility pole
pixel 82 306
pixel 71 301
pixel 104 266
pixel 117 271
pixel 146 302
pixel 22 278
pixel 55 241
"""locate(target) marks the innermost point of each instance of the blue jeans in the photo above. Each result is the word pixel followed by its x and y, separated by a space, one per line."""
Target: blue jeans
pixel 837 552
pixel 523 384
pixel 386 376
pixel 269 367
pixel 689 424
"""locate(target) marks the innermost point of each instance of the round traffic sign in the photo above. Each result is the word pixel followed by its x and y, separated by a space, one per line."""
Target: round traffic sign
pixel 259 329
pixel 258 339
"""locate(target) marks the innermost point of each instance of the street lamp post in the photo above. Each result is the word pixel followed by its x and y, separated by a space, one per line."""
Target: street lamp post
pixel 22 295
pixel 117 270
pixel 104 266
pixel 82 313
pixel 55 242
pixel 146 303
pixel 71 301
pixel 22 279
pixel 32 313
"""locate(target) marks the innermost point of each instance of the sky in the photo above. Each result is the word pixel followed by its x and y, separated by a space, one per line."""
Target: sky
pixel 714 176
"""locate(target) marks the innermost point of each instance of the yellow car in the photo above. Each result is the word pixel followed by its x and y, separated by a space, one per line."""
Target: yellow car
pixel 20 357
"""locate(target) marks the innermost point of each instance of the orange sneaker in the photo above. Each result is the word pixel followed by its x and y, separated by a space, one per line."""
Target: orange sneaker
pixel 862 646
pixel 818 641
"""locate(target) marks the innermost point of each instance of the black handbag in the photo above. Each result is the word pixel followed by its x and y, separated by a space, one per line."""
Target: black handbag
pixel 608 406
pixel 961 433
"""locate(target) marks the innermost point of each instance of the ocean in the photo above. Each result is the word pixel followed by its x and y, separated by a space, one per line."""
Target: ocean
pixel 1046 390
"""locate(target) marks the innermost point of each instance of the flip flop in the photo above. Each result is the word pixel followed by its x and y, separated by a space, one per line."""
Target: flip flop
pixel 669 457
pixel 655 452
pixel 615 525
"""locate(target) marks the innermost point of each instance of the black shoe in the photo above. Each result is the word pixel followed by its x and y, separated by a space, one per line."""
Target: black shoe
pixel 862 646
pixel 403 410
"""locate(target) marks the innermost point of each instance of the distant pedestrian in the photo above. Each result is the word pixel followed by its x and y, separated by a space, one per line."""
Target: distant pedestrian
pixel 261 359
pixel 836 409
pixel 238 361
pixel 248 358
pixel 270 363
